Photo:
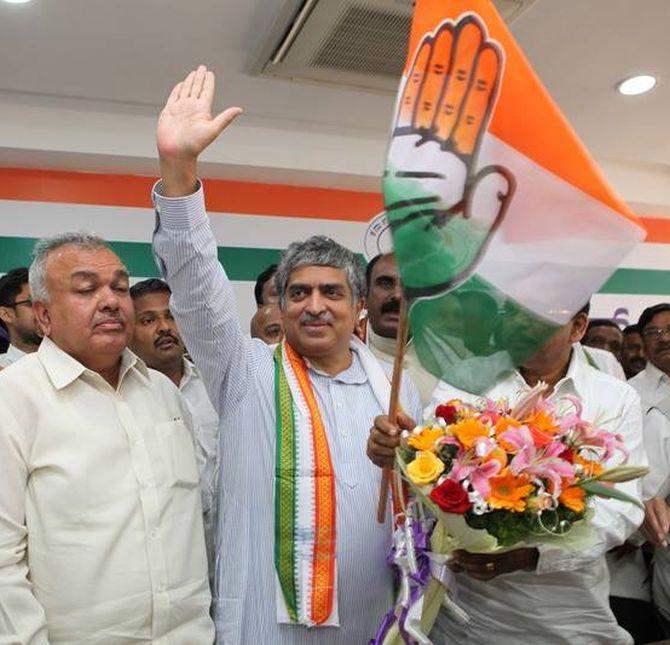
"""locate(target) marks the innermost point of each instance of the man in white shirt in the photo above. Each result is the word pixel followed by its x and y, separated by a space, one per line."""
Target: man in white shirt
pixel 157 341
pixel 653 382
pixel 545 595
pixel 16 314
pixel 101 536
pixel 656 489
pixel 301 558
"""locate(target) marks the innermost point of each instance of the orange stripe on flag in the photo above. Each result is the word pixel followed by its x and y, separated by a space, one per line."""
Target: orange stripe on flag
pixel 223 196
pixel 525 116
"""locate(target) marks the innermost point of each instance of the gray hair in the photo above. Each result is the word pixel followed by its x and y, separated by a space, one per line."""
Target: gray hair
pixel 320 250
pixel 45 246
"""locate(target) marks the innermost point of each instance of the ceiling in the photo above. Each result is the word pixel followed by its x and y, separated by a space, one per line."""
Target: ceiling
pixel 122 56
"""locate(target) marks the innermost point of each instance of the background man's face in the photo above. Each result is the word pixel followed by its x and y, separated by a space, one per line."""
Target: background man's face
pixel 21 318
pixel 89 313
pixel 605 337
pixel 632 354
pixel 383 301
pixel 657 347
pixel 266 324
pixel 156 339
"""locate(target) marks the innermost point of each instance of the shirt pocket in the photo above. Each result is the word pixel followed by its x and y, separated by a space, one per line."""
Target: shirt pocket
pixel 181 456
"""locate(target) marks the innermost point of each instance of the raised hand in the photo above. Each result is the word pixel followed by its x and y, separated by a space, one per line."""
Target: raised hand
pixel 186 127
pixel 437 199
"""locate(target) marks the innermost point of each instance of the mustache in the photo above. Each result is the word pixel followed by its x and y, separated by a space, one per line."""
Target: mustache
pixel 391 306
pixel 308 317
pixel 162 336
pixel 110 316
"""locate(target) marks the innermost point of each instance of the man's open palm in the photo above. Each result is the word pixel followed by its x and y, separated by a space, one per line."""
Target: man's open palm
pixel 186 125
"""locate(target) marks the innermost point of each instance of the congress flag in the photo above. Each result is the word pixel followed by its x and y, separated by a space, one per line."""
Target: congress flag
pixel 503 226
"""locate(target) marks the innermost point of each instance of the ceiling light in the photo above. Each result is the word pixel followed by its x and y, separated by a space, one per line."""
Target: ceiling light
pixel 637 85
pixel 17 1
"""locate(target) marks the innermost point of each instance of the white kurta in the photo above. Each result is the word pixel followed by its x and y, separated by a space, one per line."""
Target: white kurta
pixel 566 599
pixel 239 373
pixel 101 534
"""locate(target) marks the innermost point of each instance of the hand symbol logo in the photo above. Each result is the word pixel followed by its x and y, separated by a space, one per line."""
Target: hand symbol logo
pixel 442 208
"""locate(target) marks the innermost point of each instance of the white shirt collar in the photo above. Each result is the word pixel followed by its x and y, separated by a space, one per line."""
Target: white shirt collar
pixel 64 369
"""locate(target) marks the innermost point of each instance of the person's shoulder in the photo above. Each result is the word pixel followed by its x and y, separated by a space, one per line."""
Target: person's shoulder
pixel 21 372
pixel 610 386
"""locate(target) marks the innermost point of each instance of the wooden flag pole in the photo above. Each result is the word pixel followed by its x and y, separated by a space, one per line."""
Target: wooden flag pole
pixel 394 407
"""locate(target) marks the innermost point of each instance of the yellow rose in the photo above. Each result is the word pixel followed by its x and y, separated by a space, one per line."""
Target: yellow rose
pixel 425 468
pixel 425 440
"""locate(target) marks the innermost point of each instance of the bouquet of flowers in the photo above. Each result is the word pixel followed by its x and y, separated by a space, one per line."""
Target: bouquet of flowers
pixel 486 478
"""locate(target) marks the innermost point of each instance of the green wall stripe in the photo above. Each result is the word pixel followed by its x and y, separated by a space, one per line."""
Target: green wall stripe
pixel 244 264
pixel 241 264
pixel 640 281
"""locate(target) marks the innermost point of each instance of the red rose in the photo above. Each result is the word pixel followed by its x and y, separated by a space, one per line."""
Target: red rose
pixel 451 497
pixel 448 412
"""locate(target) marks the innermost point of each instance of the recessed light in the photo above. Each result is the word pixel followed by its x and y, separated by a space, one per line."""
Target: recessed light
pixel 16 1
pixel 637 85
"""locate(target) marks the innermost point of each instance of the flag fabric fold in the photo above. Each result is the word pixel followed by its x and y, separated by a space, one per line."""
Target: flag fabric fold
pixel 502 224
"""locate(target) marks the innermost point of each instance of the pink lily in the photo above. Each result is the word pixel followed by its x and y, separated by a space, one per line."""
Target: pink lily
pixel 545 464
pixel 471 465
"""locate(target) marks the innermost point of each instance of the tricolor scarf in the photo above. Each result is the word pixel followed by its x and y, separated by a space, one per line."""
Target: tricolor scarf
pixel 305 499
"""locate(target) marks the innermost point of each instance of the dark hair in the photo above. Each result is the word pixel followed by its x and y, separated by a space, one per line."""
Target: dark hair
pixel 11 284
pixel 601 322
pixel 151 285
pixel 650 312
pixel 631 329
pixel 370 267
pixel 264 276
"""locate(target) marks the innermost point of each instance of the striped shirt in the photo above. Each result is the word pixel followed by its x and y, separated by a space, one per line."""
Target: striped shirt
pixel 239 374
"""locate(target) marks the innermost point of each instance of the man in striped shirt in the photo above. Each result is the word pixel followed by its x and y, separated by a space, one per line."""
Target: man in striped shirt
pixel 320 287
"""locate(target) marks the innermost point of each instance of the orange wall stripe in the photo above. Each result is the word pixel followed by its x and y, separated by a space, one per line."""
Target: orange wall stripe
pixel 36 185
pixel 658 229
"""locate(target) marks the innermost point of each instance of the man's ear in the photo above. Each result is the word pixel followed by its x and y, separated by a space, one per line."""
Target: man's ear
pixel 41 313
pixel 580 322
pixel 7 314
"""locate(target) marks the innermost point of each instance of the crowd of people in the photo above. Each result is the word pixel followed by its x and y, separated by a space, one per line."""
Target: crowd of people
pixel 158 485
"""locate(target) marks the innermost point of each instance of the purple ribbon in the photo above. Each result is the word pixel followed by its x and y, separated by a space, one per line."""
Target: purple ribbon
pixel 413 547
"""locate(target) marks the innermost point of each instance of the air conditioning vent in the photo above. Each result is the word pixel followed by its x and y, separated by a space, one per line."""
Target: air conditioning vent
pixel 354 43
pixel 366 41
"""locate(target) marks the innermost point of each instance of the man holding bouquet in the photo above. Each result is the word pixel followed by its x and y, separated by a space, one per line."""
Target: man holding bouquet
pixel 545 594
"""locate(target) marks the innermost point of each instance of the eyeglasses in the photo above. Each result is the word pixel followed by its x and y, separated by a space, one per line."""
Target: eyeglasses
pixel 28 302
pixel 655 333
